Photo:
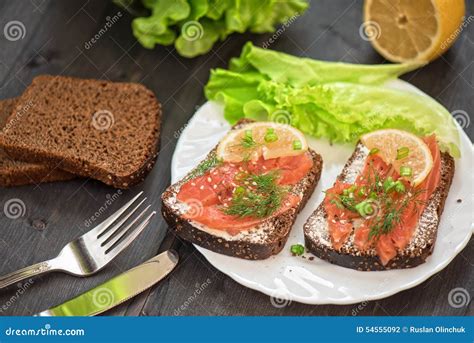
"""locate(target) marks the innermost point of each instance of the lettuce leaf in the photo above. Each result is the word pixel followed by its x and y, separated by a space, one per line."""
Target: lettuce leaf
pixel 210 21
pixel 209 33
pixel 155 29
pixel 338 101
pixel 298 71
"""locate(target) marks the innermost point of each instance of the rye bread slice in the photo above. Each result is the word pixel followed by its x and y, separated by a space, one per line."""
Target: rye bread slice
pixel 18 173
pixel 104 130
pixel 318 242
pixel 264 240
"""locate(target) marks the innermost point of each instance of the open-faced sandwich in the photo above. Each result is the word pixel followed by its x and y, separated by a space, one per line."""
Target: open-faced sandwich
pixel 384 209
pixel 242 200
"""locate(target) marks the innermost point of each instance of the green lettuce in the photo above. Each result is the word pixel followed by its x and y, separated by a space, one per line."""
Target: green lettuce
pixel 298 71
pixel 194 26
pixel 337 101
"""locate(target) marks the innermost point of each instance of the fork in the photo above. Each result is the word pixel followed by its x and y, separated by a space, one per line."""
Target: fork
pixel 95 249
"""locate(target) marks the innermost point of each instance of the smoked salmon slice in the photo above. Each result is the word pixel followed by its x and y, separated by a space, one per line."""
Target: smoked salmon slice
pixel 210 194
pixel 405 217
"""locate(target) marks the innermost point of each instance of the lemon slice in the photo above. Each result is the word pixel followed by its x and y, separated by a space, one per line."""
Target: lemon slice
pixel 406 152
pixel 416 30
pixel 270 140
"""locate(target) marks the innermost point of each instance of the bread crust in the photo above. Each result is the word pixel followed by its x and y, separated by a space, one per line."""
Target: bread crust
pixel 31 174
pixel 276 229
pixel 418 250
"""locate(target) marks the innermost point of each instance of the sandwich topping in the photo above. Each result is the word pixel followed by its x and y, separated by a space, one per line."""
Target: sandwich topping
pixel 384 204
pixel 248 179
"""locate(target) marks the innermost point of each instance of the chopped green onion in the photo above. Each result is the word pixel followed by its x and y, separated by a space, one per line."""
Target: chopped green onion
pixel 362 191
pixel 239 190
pixel 350 190
pixel 405 171
pixel 373 195
pixel 365 208
pixel 270 135
pixel 373 151
pixel 297 145
pixel 402 152
pixel 388 184
pixel 297 249
pixel 399 187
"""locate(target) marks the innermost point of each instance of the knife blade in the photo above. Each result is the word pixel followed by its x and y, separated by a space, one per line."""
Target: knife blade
pixel 118 289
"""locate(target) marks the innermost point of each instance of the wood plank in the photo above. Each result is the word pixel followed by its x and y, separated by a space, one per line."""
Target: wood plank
pixel 56 33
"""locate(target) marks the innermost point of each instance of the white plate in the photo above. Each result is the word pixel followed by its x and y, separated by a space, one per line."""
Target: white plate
pixel 287 278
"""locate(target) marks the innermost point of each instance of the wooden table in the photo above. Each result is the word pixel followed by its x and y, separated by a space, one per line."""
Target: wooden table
pixel 56 33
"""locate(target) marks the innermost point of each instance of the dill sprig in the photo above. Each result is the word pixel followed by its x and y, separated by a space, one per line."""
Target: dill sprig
pixel 391 199
pixel 393 210
pixel 390 208
pixel 203 167
pixel 257 196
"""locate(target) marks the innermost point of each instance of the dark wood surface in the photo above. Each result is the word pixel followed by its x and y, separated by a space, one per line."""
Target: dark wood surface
pixel 56 32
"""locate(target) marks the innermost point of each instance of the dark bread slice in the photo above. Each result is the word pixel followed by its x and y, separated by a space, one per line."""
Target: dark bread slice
pixel 18 173
pixel 266 239
pixel 103 130
pixel 318 242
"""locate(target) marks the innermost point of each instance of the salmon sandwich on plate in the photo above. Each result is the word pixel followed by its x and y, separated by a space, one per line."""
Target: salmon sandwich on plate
pixel 384 209
pixel 243 198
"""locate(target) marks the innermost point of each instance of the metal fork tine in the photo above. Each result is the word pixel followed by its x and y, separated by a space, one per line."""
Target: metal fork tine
pixel 126 242
pixel 121 231
pixel 117 226
pixel 106 223
pixel 84 255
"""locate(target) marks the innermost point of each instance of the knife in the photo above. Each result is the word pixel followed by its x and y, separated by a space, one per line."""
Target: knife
pixel 118 289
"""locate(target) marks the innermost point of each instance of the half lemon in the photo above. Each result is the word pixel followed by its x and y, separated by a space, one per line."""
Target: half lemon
pixel 412 30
